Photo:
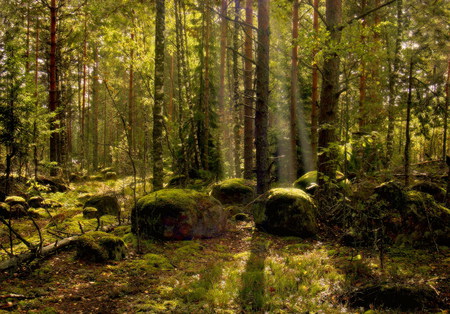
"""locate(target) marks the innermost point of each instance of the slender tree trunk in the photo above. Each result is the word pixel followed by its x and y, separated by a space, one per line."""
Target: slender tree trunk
pixel 294 91
pixel 95 105
pixel 53 90
pixel 27 62
pixel 408 123
pixel 393 75
pixel 83 105
pixel 329 96
pixel 248 93
pixel 447 98
pixel 362 77
pixel 315 90
pixel 158 175
pixel 36 96
pixel 236 98
pixel 131 98
pixel 206 94
pixel 262 98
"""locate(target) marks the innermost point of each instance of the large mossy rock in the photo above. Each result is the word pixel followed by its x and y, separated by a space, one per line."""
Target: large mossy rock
pixel 100 247
pixel 105 204
pixel 430 188
pixel 178 214
pixel 391 195
pixel 288 212
pixel 308 181
pixel 234 191
pixel 54 184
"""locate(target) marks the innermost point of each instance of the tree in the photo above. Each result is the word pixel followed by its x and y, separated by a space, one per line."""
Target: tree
pixel 236 94
pixel 158 174
pixel 293 93
pixel 329 95
pixel 262 98
pixel 248 92
pixel 315 88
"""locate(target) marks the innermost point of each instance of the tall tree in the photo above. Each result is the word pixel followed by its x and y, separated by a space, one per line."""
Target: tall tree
pixel 158 175
pixel 408 125
pixel 236 97
pixel 315 88
pixel 248 92
pixel 447 99
pixel 95 106
pixel 53 88
pixel 262 98
pixel 293 94
pixel 329 95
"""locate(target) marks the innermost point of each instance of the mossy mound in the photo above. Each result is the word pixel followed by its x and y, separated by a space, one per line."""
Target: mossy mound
pixel 99 247
pixel 392 195
pixel 288 212
pixel 54 184
pixel 90 213
pixel 14 200
pixel 196 180
pixel 234 191
pixel 430 188
pixel 105 204
pixel 308 182
pixel 178 214
pixel 111 175
pixel 35 201
pixel 395 297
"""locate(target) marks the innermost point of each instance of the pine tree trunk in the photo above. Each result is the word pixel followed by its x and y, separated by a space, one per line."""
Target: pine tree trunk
pixel 236 98
pixel 83 105
pixel 362 77
pixel 393 78
pixel 36 96
pixel 262 98
pixel 447 98
pixel 53 90
pixel 95 104
pixel 131 99
pixel 206 93
pixel 293 99
pixel 248 93
pixel 408 123
pixel 158 174
pixel 329 96
pixel 315 90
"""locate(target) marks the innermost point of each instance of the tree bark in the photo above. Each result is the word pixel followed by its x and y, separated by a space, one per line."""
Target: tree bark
pixel 315 89
pixel 95 106
pixel 131 98
pixel 236 98
pixel 158 174
pixel 83 105
pixel 408 123
pixel 329 97
pixel 393 78
pixel 53 90
pixel 262 98
pixel 293 95
pixel 447 99
pixel 248 93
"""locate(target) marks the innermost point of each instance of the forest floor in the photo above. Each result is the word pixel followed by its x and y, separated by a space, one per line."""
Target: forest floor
pixel 242 271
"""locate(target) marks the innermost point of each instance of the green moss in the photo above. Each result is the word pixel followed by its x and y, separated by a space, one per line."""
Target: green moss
pixel 308 181
pixel 15 200
pixel 99 247
pixel 150 263
pixel 234 191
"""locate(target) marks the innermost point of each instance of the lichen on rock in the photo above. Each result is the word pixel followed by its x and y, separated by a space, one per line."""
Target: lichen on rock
pixel 234 191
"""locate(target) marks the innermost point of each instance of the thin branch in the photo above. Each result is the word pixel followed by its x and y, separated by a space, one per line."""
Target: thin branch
pixel 318 13
pixel 366 14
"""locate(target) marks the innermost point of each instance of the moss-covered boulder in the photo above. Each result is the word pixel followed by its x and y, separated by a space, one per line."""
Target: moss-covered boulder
pixel 14 200
pixel 105 204
pixel 391 195
pixel 99 247
pixel 91 212
pixel 35 201
pixel 177 214
pixel 430 188
pixel 308 182
pixel 177 181
pixel 234 191
pixel 288 212
pixel 425 220
pixel 111 175
pixel 54 184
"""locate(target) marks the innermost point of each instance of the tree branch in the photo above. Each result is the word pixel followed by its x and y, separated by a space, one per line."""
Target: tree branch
pixel 366 13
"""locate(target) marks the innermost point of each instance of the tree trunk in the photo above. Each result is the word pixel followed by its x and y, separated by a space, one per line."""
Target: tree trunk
pixel 206 93
pixel 248 93
pixel 83 105
pixel 315 89
pixel 393 75
pixel 158 175
pixel 293 99
pixel 131 99
pixel 36 96
pixel 362 76
pixel 329 96
pixel 262 98
pixel 53 90
pixel 447 98
pixel 408 122
pixel 236 104
pixel 95 105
